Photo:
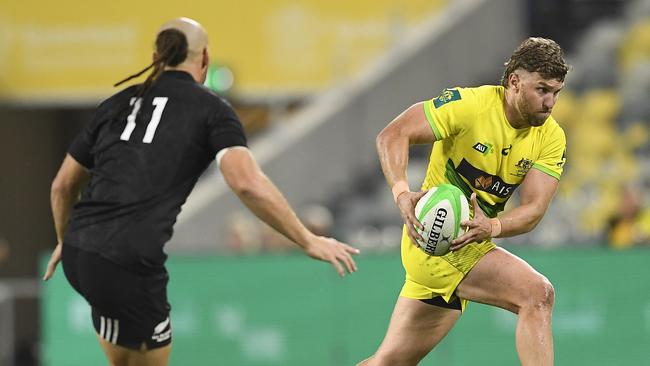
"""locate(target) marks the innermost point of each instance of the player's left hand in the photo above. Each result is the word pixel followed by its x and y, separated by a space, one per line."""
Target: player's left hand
pixel 54 261
pixel 477 229
pixel 333 251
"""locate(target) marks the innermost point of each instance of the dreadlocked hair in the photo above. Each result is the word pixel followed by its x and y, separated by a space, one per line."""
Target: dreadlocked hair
pixel 171 50
pixel 537 55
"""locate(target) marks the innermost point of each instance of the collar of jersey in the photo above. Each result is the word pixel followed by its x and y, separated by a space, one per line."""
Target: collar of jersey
pixel 177 74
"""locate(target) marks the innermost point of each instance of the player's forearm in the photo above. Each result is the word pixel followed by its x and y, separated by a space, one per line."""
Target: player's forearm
pixel 62 198
pixel 520 220
pixel 263 198
pixel 393 151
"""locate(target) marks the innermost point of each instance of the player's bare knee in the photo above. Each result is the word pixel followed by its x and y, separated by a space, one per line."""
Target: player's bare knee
pixel 546 298
pixel 541 295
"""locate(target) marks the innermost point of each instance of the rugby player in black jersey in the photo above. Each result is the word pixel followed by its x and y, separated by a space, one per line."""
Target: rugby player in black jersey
pixel 139 159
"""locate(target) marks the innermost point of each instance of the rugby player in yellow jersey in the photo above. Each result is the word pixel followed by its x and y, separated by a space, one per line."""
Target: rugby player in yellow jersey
pixel 488 141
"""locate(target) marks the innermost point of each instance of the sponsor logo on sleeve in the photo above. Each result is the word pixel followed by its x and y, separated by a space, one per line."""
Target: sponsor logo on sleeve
pixel 447 95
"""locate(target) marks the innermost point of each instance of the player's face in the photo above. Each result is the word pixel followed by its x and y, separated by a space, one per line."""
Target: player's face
pixel 536 97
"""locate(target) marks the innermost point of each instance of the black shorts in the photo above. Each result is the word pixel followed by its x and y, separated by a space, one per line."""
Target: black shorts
pixel 439 301
pixel 128 309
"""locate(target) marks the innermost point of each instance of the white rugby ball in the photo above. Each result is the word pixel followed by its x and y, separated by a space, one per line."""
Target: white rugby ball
pixel 441 210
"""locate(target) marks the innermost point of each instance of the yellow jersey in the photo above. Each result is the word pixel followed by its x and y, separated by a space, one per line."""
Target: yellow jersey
pixel 477 149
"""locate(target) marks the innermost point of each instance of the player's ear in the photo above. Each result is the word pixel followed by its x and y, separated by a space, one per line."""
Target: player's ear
pixel 205 59
pixel 514 81
pixel 154 56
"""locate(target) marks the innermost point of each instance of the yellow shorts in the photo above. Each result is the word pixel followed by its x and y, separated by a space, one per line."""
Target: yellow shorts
pixel 429 276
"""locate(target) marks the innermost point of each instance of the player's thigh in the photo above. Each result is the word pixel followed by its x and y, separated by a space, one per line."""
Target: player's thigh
pixel 502 279
pixel 415 328
pixel 128 308
pixel 121 356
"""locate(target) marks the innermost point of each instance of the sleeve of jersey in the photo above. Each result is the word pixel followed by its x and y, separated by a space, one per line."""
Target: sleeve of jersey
pixel 553 155
pixel 81 148
pixel 448 113
pixel 225 130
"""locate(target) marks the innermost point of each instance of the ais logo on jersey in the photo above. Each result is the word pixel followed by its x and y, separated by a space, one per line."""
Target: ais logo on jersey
pixel 447 95
pixel 483 148
pixel 485 182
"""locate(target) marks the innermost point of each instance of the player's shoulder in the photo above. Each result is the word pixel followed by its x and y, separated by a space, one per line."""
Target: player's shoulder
pixel 488 95
pixel 214 97
pixel 116 101
pixel 456 96
pixel 551 129
pixel 206 96
pixel 180 84
pixel 487 91
pixel 118 97
pixel 471 95
pixel 551 125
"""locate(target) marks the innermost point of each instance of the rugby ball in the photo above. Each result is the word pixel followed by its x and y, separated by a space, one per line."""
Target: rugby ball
pixel 441 210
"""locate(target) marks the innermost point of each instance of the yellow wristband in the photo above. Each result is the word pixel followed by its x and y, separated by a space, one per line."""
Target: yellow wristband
pixel 399 188
pixel 496 227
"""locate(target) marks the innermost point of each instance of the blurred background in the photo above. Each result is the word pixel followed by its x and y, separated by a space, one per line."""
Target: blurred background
pixel 314 81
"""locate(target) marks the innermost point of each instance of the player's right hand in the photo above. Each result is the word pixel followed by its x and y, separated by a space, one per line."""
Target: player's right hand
pixel 476 230
pixel 406 202
pixel 54 261
pixel 333 251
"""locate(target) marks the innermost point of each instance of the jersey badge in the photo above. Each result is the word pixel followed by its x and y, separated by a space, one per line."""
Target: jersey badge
pixel 523 166
pixel 447 95
pixel 162 331
pixel 483 148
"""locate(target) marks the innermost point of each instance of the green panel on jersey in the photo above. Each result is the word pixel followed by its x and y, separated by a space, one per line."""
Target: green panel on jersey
pixel 457 180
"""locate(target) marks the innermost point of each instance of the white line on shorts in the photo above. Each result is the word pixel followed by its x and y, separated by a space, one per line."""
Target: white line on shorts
pixel 102 326
pixel 116 330
pixel 109 324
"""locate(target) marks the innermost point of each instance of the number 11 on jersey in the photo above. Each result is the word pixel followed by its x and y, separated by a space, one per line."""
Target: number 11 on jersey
pixel 159 104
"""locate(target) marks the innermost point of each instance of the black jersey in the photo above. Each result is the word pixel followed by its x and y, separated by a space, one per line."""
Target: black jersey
pixel 145 156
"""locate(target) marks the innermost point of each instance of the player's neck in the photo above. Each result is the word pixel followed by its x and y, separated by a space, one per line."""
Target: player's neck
pixel 189 68
pixel 513 116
